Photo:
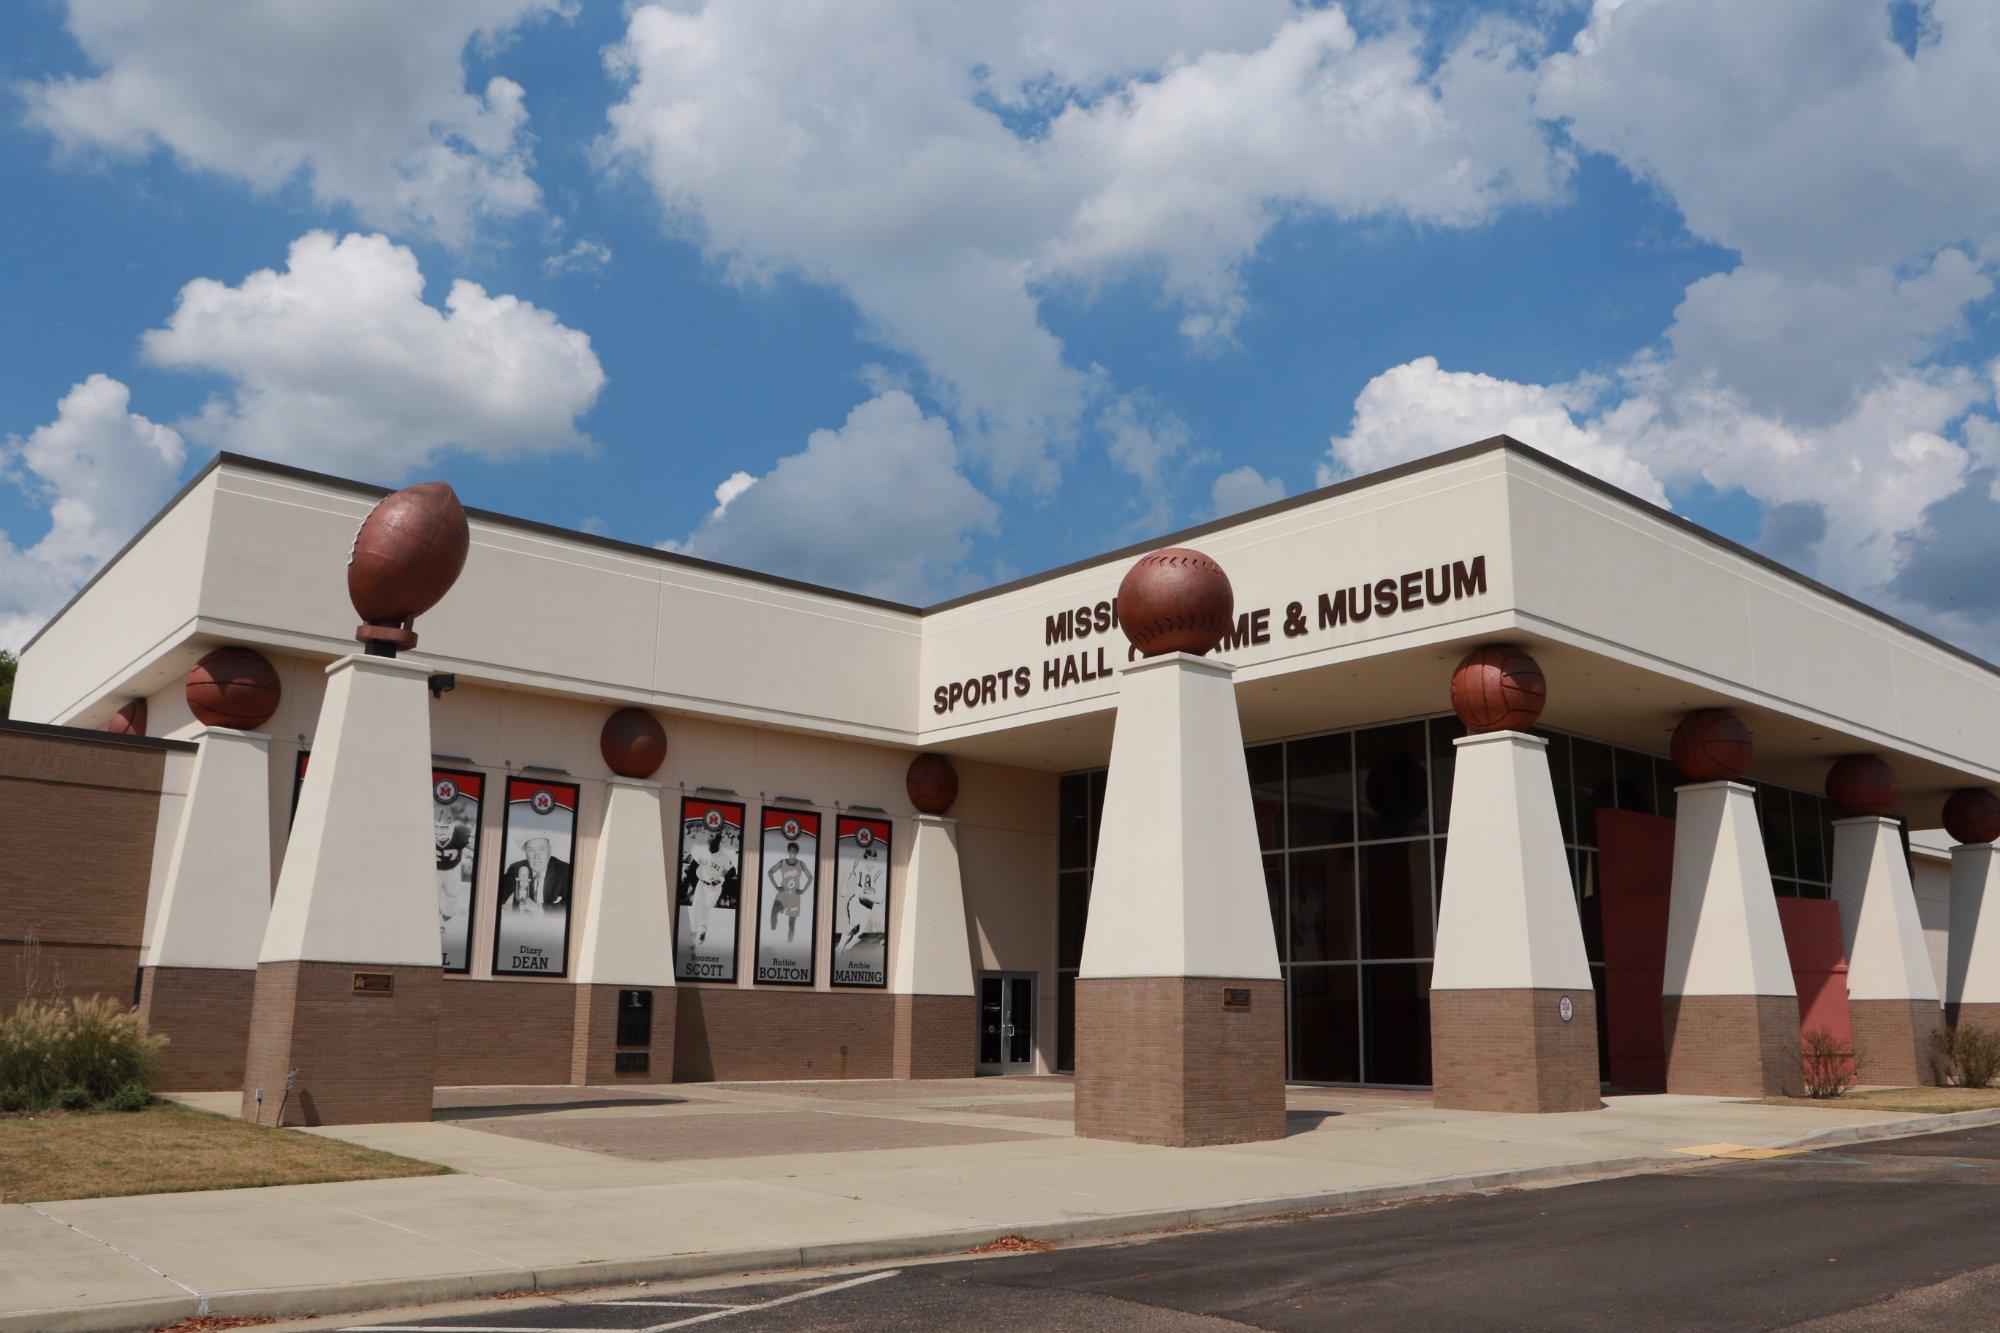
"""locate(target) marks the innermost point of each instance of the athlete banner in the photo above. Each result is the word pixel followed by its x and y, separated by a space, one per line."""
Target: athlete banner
pixel 455 798
pixel 861 901
pixel 538 847
pixel 708 890
pixel 788 897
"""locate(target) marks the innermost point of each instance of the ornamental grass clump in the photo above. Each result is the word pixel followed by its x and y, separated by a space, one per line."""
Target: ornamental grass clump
pixel 74 1055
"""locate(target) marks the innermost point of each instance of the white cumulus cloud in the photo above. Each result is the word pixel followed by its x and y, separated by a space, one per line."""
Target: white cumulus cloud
pixel 100 469
pixel 1243 488
pixel 338 362
pixel 366 103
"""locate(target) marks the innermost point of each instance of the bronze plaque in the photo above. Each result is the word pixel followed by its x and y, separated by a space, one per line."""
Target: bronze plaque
pixel 1235 997
pixel 374 983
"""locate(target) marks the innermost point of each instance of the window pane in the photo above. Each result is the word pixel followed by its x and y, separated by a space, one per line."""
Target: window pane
pixel 1072 909
pixel 1444 761
pixel 1396 900
pixel 1774 812
pixel 1592 783
pixel 1274 889
pixel 1395 787
pixel 1559 776
pixel 1440 845
pixel 1322 919
pixel 1097 785
pixel 1664 782
pixel 1396 1008
pixel 1635 782
pixel 1807 813
pixel 1320 790
pixel 1066 1022
pixel 1267 793
pixel 1073 821
pixel 1589 903
pixel 1326 1027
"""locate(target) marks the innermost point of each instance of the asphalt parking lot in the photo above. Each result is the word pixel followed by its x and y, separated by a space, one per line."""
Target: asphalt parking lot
pixel 1881 1235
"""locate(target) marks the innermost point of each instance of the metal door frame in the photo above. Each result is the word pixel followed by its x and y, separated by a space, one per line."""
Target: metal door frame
pixel 1007 1067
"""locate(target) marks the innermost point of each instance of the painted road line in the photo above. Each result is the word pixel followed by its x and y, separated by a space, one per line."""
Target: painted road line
pixel 781 1300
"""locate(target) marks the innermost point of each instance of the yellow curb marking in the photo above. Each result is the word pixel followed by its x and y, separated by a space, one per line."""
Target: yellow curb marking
pixel 1737 1152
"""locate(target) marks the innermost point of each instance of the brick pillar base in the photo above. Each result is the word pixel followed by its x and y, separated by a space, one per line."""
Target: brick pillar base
pixel 1892 1040
pixel 1732 1045
pixel 1979 1014
pixel 594 1047
pixel 1509 1050
pixel 363 1057
pixel 204 1013
pixel 1167 1060
pixel 937 1036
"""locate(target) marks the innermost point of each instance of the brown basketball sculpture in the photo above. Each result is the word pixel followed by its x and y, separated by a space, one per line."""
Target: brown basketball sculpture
pixel 932 784
pixel 1711 745
pixel 129 720
pixel 1498 688
pixel 633 743
pixel 1861 784
pixel 407 554
pixel 1175 601
pixel 1972 815
pixel 233 687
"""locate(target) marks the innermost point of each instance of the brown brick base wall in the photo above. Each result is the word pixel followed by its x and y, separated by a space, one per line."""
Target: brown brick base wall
pixel 770 1033
pixel 937 1036
pixel 204 1013
pixel 361 1059
pixel 1892 1040
pixel 34 970
pixel 594 1052
pixel 504 1031
pixel 1164 1060
pixel 1509 1050
pixel 1979 1014
pixel 1732 1045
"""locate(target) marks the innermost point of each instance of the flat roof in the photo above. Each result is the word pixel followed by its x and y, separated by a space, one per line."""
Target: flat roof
pixel 1492 444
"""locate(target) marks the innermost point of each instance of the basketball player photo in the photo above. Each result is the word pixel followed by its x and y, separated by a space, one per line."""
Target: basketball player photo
pixel 788 897
pixel 455 821
pixel 708 890
pixel 538 846
pixel 861 902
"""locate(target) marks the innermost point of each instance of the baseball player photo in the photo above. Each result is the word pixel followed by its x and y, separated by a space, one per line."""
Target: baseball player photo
pixel 708 890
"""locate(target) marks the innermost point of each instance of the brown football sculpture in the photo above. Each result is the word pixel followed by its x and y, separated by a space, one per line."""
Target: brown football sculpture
pixel 129 720
pixel 1711 745
pixel 1861 784
pixel 1972 815
pixel 932 784
pixel 407 554
pixel 233 687
pixel 633 743
pixel 1498 688
pixel 1175 601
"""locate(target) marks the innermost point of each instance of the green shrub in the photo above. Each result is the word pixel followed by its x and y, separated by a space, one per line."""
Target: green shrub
pixel 13 1102
pixel 131 1097
pixel 72 1099
pixel 1826 1067
pixel 1978 1057
pixel 1943 1057
pixel 95 1046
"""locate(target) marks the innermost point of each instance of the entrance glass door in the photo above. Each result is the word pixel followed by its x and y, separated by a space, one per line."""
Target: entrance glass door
pixel 1006 1023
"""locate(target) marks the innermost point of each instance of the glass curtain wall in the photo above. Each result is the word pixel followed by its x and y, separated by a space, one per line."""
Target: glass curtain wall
pixel 1354 827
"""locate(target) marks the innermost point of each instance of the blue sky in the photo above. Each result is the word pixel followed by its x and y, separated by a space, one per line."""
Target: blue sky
pixel 909 297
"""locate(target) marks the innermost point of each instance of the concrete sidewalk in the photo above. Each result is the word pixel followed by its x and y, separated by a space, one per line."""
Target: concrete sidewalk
pixel 648 1201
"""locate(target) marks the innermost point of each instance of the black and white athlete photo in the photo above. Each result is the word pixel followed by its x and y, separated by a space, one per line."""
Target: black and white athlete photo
pixel 861 902
pixel 788 897
pixel 708 890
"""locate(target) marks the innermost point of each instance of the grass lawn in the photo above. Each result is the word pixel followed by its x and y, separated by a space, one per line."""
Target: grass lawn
pixel 166 1148
pixel 1915 1101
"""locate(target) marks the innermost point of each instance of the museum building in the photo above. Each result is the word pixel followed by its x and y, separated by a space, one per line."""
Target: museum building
pixel 689 822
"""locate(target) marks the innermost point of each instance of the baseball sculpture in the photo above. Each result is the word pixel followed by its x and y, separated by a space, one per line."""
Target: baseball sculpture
pixel 633 743
pixel 1972 815
pixel 407 554
pixel 1711 745
pixel 932 784
pixel 1498 688
pixel 233 687
pixel 1175 601
pixel 1861 784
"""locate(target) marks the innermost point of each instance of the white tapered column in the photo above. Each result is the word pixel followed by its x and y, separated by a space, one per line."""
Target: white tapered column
pixel 1892 992
pixel 1972 983
pixel 625 952
pixel 200 964
pixel 1513 1015
pixel 930 963
pixel 348 970
pixel 1729 1008
pixel 1180 1010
